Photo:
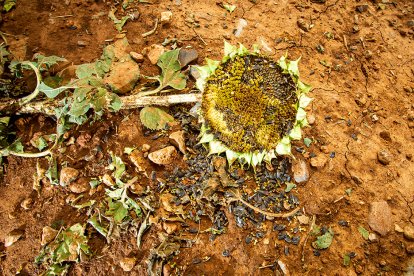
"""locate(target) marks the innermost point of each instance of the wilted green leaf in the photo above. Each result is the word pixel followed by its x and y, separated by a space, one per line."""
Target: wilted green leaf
pixel 229 8
pixel 154 118
pixel 52 172
pixel 364 232
pixel 8 5
pixel 51 92
pixel 117 211
pixel 289 187
pixel 347 260
pixel 94 183
pixel 47 61
pixel 119 23
pixel 171 70
pixel 307 142
pixel 39 143
pixel 324 241
pixel 117 165
pixel 98 227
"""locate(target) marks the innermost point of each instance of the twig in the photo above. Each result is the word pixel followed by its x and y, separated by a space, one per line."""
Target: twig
pixel 153 30
pixel 307 236
pixel 268 214
pixel 62 16
pixel 345 43
pixel 202 40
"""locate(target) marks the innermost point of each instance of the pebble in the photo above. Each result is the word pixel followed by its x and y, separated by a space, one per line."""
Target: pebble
pixel 166 17
pixel 145 148
pixel 240 26
pixel 300 171
pixel 48 234
pixel 385 135
pixel 410 249
pixel 311 119
pixel 163 156
pixel 27 203
pixel 154 53
pixel 169 227
pixel 68 175
pixel 384 157
pixel 80 186
pixel 319 161
pixel 372 237
pixel 186 56
pixel 137 57
pixel 398 228
pixel 409 232
pixel 127 264
pixel 362 8
pixel 303 25
pixel 82 43
pixel 380 217
pixel 178 140
pixel 13 237
pixel 303 219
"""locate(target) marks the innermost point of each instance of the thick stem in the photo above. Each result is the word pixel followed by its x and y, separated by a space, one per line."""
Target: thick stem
pixel 47 107
pixel 36 92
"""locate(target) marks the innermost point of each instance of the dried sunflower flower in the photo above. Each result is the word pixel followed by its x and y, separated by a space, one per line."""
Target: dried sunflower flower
pixel 252 107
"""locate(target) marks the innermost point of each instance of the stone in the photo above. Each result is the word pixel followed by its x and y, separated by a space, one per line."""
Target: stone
pixel 380 217
pixel 166 17
pixel 303 25
pixel 27 203
pixel 410 249
pixel 82 43
pixel 145 148
pixel 68 175
pixel 127 264
pixel 84 139
pixel 178 140
pixel 384 157
pixel 163 156
pixel 398 228
pixel 169 227
pixel 319 161
pixel 13 237
pixel 362 8
pixel 300 171
pixel 186 56
pixel 240 26
pixel 137 158
pixel 137 57
pixel 372 237
pixel 80 186
pixel 154 52
pixel 303 219
pixel 409 232
pixel 48 234
pixel 123 76
pixel 311 119
pixel 385 135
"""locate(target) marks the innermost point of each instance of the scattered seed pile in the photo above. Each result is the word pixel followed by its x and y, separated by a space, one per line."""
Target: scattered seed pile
pixel 249 103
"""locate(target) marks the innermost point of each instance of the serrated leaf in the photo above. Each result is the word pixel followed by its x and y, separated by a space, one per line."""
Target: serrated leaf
pixel 117 211
pixel 307 141
pixel 171 71
pixel 284 147
pixel 115 102
pixel 364 232
pixel 324 241
pixel 86 70
pixel 154 118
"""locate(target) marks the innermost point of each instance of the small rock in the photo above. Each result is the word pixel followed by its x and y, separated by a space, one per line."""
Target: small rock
pixel 409 233
pixel 84 139
pixel 137 57
pixel 177 139
pixel 154 52
pixel 303 25
pixel 319 161
pixel 127 264
pixel 375 118
pixel 137 158
pixel 166 17
pixel 266 241
pixel 12 237
pixel 194 72
pixel 303 219
pixel 362 8
pixel 186 56
pixel 240 26
pixel 27 203
pixel 398 228
pixel 169 227
pixel 385 135
pixel 410 249
pixel 372 237
pixel 384 157
pixel 410 23
pixel 82 43
pixel 80 186
pixel 311 119
pixel 123 75
pixel 145 148
pixel 380 217
pixel 107 180
pixel 163 156
pixel 300 171
pixel 68 175
pixel 48 234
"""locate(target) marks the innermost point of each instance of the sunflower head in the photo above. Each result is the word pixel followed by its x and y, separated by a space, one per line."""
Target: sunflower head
pixel 252 106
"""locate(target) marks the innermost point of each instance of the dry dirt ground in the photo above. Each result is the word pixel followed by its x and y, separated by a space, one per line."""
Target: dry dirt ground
pixel 357 55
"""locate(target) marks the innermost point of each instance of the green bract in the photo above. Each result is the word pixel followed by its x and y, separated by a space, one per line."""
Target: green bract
pixel 252 107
